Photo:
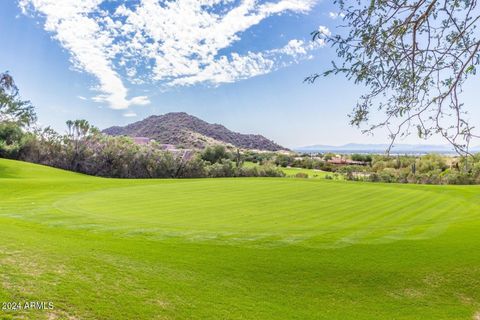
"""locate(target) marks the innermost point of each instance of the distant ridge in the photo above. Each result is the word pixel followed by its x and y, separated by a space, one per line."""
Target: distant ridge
pixel 187 131
pixel 380 148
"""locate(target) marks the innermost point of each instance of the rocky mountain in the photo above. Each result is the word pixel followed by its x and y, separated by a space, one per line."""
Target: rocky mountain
pixel 187 131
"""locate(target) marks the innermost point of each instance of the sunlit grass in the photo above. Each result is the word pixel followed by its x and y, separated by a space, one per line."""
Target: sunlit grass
pixel 245 248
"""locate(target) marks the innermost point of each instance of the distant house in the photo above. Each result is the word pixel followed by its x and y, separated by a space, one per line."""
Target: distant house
pixel 184 154
pixel 167 146
pixel 338 161
pixel 187 154
pixel 343 162
pixel 142 140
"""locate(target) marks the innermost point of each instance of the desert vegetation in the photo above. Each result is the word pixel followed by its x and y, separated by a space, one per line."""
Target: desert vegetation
pixel 425 169
pixel 86 150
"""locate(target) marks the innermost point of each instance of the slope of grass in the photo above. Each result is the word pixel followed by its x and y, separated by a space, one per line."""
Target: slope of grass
pixel 271 248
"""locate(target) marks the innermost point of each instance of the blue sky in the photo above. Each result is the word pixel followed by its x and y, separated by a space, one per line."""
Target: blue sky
pixel 238 63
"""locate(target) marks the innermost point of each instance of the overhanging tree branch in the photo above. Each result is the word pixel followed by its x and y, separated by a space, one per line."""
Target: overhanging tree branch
pixel 414 57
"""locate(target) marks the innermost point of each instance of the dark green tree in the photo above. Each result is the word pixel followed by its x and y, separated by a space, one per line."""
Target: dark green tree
pixel 11 136
pixel 215 154
pixel 12 108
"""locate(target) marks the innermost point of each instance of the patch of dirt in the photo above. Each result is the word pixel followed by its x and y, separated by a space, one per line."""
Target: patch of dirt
pixel 476 316
pixel 434 280
pixel 28 266
pixel 412 293
pixel 5 282
pixel 60 314
pixel 466 300
pixel 161 303
pixel 27 263
pixel 407 293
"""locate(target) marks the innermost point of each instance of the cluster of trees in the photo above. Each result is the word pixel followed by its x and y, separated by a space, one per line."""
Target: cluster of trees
pixel 86 150
pixel 316 161
pixel 15 116
pixel 303 161
pixel 259 157
pixel 427 169
pixel 223 163
pixel 361 157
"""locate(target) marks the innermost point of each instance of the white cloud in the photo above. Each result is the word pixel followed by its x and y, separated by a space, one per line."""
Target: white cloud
pixel 130 114
pixel 238 67
pixel 82 98
pixel 324 31
pixel 335 15
pixel 140 101
pixel 91 46
pixel 173 43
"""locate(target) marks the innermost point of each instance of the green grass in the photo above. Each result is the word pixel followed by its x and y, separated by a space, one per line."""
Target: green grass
pixel 245 248
pixel 312 173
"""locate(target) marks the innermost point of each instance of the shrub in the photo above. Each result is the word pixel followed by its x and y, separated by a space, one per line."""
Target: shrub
pixel 223 169
pixel 302 175
pixel 215 154
pixel 283 160
pixel 270 171
pixel 11 136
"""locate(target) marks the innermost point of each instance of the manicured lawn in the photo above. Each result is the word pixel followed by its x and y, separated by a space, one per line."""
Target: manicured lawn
pixel 245 248
pixel 312 173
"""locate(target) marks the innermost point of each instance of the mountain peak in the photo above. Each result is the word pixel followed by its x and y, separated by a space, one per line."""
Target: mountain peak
pixel 187 131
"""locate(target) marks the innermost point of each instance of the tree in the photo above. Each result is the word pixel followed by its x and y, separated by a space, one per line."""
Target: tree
pixel 215 154
pixel 78 131
pixel 12 108
pixel 413 57
pixel 11 136
pixel 283 160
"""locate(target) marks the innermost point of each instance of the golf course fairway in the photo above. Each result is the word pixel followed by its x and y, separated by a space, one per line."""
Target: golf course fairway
pixel 244 248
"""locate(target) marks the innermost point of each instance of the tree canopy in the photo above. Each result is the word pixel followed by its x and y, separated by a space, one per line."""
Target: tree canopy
pixel 12 108
pixel 414 58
